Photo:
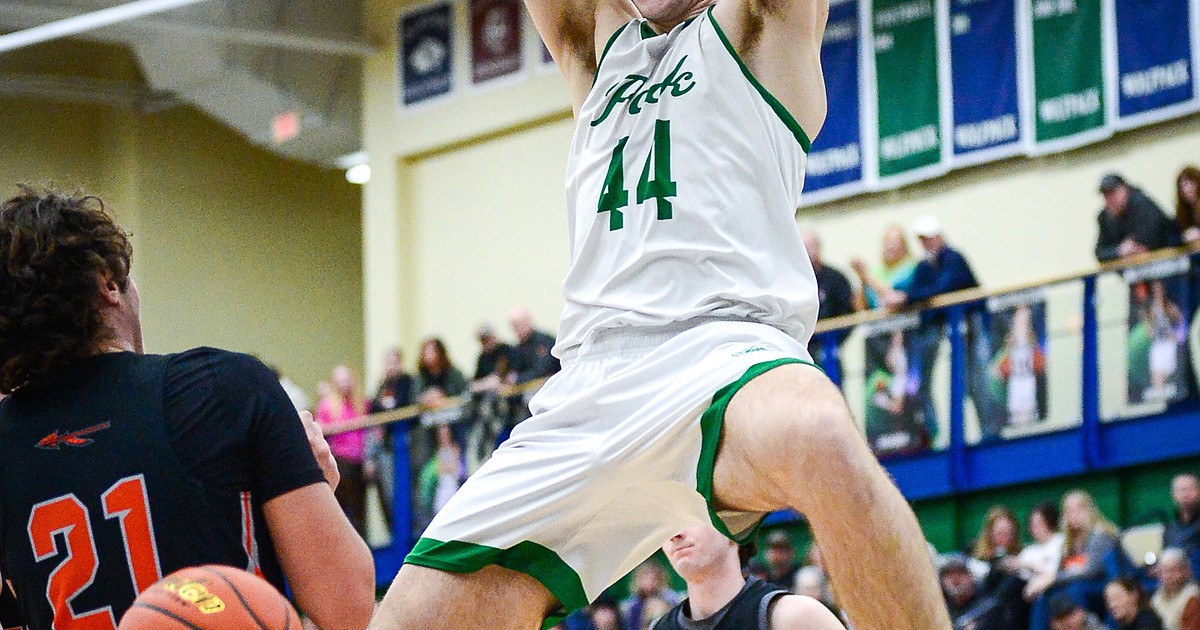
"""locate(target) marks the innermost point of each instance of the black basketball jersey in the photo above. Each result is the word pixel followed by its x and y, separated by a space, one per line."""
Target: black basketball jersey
pixel 749 610
pixel 107 482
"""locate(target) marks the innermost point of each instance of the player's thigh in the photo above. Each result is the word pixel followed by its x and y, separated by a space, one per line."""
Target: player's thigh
pixel 777 432
pixel 492 598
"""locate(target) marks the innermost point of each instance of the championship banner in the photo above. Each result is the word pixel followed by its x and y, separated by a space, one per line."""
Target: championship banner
pixel 1158 331
pixel 496 50
pixel 983 70
pixel 1017 371
pixel 426 60
pixel 1068 74
pixel 1156 75
pixel 905 42
pixel 898 410
pixel 835 164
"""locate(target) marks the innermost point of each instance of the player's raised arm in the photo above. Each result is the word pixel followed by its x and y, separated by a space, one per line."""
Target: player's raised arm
pixel 575 32
pixel 780 43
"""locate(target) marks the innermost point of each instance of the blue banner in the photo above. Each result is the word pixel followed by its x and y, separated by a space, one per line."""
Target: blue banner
pixel 835 164
pixel 1154 56
pixel 983 69
pixel 426 53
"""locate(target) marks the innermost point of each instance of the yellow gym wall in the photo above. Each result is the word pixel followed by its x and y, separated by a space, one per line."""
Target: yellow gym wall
pixel 235 247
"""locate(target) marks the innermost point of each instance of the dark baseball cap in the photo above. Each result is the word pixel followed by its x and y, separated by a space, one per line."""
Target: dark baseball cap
pixel 1109 182
pixel 1062 605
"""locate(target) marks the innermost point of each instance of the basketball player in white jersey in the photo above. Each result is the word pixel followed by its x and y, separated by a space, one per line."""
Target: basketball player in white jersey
pixel 686 395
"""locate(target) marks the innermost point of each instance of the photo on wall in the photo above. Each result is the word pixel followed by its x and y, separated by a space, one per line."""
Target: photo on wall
pixel 1017 370
pixel 898 413
pixel 1156 344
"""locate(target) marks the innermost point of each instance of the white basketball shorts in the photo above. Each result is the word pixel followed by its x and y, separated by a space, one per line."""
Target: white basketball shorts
pixel 617 458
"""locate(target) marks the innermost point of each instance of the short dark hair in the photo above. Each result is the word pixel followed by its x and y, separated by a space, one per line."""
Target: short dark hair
pixel 1049 512
pixel 54 247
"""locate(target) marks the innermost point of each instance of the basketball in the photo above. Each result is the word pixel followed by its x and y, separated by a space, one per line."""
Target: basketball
pixel 211 597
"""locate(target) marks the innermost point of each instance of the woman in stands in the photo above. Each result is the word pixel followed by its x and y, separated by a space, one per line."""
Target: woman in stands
pixel 999 544
pixel 344 401
pixel 1129 607
pixel 1187 203
pixel 1043 557
pixel 1089 547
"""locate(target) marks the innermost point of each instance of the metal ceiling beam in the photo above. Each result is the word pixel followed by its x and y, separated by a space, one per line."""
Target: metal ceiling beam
pixel 21 14
pixel 88 21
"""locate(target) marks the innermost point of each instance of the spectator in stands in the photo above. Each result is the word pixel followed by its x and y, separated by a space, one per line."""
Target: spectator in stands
pixel 894 273
pixel 1043 557
pixel 969 608
pixel 1187 203
pixel 1067 614
pixel 650 582
pixel 492 366
pixel 531 358
pixel 345 402
pixel 437 379
pixel 294 392
pixel 812 580
pixel 1128 605
pixel 397 389
pixel 781 559
pixel 1089 544
pixel 606 616
pixel 1183 530
pixel 945 270
pixel 1130 223
pixel 1177 600
pixel 999 544
pixel 836 296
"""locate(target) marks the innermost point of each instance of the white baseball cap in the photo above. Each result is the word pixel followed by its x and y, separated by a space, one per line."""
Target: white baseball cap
pixel 927 226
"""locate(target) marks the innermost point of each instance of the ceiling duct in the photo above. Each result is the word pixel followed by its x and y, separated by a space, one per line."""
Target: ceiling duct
pixel 242 61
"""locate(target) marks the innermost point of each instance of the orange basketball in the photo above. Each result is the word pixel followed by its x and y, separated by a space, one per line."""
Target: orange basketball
pixel 211 597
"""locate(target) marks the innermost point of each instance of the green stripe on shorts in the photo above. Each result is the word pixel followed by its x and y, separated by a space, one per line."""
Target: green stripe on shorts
pixel 530 558
pixel 710 439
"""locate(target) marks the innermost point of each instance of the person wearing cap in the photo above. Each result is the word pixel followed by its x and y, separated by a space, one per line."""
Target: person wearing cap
pixel 1067 614
pixel 945 270
pixel 1131 223
pixel 781 559
pixel 969 608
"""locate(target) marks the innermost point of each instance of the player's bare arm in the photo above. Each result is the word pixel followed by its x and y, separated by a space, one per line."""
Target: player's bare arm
pixel 780 42
pixel 797 612
pixel 575 32
pixel 329 567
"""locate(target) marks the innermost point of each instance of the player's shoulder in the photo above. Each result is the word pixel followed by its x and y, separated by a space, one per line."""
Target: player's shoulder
pixel 800 612
pixel 224 368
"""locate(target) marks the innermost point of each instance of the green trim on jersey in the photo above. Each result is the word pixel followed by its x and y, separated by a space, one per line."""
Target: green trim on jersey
pixel 773 102
pixel 526 557
pixel 611 40
pixel 648 31
pixel 710 438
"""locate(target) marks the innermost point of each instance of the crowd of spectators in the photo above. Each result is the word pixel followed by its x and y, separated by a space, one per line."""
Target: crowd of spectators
pixel 1075 574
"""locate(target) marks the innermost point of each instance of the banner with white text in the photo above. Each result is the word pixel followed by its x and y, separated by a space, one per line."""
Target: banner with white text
pixel 1155 64
pixel 984 75
pixel 835 164
pixel 1068 73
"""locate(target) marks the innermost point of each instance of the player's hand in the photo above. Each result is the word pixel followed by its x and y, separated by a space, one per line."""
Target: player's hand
pixel 320 449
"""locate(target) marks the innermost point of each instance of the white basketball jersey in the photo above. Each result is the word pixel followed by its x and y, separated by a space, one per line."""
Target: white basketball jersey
pixel 682 185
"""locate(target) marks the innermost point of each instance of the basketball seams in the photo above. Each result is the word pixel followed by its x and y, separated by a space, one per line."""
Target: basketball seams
pixel 167 613
pixel 233 587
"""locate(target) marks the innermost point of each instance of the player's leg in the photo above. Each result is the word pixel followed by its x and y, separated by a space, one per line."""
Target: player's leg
pixel 788 440
pixel 489 599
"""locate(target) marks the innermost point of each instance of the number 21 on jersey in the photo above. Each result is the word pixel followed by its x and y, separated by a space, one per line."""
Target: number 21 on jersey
pixel 125 501
pixel 614 196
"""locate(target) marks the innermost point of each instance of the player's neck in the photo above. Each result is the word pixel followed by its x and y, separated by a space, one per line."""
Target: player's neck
pixel 707 596
pixel 671 14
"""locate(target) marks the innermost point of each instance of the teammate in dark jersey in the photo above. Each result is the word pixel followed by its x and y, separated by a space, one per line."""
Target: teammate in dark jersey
pixel 719 598
pixel 118 467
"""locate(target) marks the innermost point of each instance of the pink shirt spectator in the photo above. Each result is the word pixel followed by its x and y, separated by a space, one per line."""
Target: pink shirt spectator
pixel 352 445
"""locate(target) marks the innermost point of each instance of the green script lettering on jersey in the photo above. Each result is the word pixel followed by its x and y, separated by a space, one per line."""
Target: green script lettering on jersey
pixel 634 91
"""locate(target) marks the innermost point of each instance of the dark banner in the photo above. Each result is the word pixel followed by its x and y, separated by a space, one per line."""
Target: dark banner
pixel 426 53
pixel 906 75
pixel 495 39
pixel 1154 59
pixel 983 70
pixel 1017 370
pixel 1068 73
pixel 1158 331
pixel 835 165
pixel 898 410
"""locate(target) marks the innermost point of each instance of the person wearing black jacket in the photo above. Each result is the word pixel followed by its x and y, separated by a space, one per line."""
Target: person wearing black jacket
pixel 1131 223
